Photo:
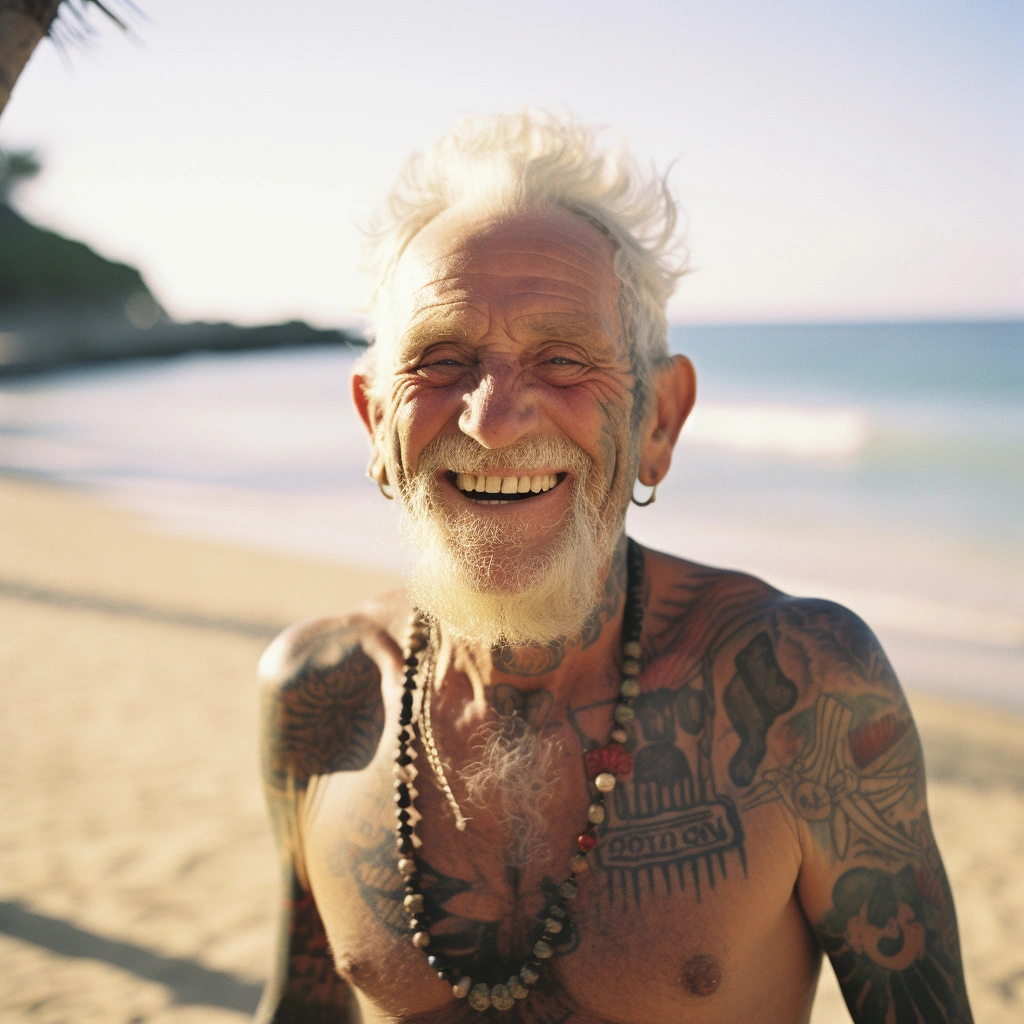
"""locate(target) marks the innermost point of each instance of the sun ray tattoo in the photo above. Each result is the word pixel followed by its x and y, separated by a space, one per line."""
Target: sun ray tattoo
pixel 888 952
pixel 845 779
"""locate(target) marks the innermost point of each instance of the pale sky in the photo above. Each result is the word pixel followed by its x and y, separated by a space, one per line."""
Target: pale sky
pixel 842 160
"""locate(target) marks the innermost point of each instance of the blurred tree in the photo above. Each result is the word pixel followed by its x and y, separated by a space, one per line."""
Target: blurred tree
pixel 41 268
pixel 23 23
pixel 16 166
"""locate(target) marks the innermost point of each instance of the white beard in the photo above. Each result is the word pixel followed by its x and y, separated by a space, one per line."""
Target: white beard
pixel 473 573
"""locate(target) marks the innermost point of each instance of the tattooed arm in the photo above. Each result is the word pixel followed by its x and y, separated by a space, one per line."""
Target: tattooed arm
pixel 852 776
pixel 322 712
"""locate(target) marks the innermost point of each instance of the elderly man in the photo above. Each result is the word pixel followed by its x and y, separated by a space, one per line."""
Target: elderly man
pixel 564 778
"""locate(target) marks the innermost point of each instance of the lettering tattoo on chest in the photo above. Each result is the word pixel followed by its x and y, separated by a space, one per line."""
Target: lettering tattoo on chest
pixel 670 829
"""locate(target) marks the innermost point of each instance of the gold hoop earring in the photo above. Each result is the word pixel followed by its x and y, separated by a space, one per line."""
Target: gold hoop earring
pixel 380 477
pixel 650 497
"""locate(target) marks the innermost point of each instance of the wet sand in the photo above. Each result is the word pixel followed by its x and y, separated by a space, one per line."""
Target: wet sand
pixel 138 877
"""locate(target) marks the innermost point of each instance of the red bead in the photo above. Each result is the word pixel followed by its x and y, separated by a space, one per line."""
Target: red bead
pixel 611 758
pixel 587 841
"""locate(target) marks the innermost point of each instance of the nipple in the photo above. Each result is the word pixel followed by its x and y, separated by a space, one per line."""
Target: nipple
pixel 702 975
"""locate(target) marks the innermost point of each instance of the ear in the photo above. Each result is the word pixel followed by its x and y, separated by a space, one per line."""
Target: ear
pixel 363 398
pixel 370 413
pixel 675 388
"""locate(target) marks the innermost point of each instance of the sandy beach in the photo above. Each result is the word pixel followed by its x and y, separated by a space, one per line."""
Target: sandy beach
pixel 137 874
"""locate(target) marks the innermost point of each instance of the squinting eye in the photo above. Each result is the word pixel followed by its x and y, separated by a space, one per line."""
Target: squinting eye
pixel 442 368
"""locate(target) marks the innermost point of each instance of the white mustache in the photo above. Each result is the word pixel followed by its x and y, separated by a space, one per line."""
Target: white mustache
pixel 466 455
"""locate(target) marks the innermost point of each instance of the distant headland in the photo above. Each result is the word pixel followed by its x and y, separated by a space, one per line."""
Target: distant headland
pixel 63 304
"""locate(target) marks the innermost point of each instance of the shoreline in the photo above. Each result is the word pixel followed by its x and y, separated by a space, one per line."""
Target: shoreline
pixel 139 877
pixel 961 649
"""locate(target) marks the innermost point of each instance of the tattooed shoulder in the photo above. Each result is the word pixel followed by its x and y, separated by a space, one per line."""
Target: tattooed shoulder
pixel 843 756
pixel 835 645
pixel 323 710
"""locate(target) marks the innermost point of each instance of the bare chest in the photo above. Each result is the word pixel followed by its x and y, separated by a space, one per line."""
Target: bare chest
pixel 687 902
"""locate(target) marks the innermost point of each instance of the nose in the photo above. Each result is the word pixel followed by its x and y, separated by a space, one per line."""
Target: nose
pixel 499 410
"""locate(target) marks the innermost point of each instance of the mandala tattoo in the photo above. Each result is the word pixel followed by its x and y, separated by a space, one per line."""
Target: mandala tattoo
pixel 324 720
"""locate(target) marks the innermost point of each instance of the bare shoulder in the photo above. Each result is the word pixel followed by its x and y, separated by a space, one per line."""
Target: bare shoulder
pixel 726 612
pixel 320 681
pixel 836 651
pixel 698 610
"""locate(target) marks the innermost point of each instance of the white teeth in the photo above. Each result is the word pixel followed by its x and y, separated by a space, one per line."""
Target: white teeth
pixel 472 482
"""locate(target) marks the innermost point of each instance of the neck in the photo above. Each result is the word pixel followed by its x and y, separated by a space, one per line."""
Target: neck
pixel 558 667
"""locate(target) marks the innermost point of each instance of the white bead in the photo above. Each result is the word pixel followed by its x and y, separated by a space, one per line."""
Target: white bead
pixel 517 988
pixel 501 998
pixel 480 996
pixel 605 782
pixel 461 988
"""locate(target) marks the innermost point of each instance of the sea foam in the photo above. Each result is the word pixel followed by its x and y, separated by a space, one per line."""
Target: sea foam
pixel 779 429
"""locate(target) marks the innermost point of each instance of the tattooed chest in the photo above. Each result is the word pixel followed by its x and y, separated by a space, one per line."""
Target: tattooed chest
pixel 671 848
pixel 483 933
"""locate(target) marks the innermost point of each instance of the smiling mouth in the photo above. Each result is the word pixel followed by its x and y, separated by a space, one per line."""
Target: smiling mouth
pixel 499 490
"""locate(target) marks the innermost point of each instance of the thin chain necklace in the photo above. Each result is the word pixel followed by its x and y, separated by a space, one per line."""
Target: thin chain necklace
pixel 603 767
pixel 429 745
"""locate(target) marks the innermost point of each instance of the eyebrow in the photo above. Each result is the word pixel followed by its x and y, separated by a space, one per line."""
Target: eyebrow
pixel 436 325
pixel 562 326
pixel 449 325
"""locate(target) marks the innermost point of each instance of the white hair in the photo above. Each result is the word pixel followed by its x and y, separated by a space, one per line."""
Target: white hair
pixel 506 163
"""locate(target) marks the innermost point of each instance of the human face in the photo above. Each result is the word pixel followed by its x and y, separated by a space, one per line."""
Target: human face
pixel 502 331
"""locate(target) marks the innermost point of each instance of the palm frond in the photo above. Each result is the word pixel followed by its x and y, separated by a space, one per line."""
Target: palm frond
pixel 74 24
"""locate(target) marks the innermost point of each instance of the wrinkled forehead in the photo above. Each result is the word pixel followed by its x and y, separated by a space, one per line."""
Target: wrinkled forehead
pixel 470 266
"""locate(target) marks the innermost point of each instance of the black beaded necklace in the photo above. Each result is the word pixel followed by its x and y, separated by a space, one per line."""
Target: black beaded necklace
pixel 603 766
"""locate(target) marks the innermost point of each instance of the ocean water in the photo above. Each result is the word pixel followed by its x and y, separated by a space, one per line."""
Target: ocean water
pixel 881 465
